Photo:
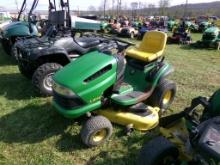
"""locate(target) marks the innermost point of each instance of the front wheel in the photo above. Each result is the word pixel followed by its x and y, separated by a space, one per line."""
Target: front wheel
pixel 96 131
pixel 6 46
pixel 132 35
pixel 163 94
pixel 158 151
pixel 43 78
pixel 218 45
pixel 25 70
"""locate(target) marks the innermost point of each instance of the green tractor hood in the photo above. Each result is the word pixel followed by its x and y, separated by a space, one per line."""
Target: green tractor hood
pixel 212 30
pixel 18 28
pixel 88 76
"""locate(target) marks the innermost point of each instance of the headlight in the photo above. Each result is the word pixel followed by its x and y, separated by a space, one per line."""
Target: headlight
pixel 63 90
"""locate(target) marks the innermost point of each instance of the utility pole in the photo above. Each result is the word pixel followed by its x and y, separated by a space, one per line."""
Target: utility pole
pixel 16 2
pixel 119 1
pixel 104 8
pixel 186 9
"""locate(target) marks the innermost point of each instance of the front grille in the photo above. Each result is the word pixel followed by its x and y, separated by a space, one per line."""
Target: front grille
pixel 68 102
pixel 208 37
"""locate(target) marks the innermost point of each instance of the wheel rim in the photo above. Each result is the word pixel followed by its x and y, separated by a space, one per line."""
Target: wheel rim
pixel 99 135
pixel 48 81
pixel 167 97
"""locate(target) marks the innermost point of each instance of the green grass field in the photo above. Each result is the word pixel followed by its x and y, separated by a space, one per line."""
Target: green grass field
pixel 31 132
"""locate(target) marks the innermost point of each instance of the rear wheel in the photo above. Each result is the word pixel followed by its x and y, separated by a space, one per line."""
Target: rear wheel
pixel 164 94
pixel 158 151
pixel 43 78
pixel 96 131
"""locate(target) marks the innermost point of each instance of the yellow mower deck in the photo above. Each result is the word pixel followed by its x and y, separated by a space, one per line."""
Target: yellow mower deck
pixel 142 123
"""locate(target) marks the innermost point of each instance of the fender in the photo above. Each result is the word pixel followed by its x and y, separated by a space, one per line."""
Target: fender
pixel 163 71
pixel 52 51
pixel 15 29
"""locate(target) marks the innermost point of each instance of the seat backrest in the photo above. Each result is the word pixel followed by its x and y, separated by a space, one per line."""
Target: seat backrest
pixel 58 18
pixel 153 42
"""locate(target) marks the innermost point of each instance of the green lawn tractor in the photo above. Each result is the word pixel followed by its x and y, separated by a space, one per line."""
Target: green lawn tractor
pixel 210 39
pixel 204 25
pixel 18 28
pixel 189 137
pixel 171 24
pixel 130 91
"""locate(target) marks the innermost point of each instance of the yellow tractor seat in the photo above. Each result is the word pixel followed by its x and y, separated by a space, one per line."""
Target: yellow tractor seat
pixel 151 47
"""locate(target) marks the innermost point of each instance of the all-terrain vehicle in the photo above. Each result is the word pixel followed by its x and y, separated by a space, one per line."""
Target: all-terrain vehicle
pixel 39 58
pixel 210 39
pixel 116 88
pixel 18 28
pixel 194 140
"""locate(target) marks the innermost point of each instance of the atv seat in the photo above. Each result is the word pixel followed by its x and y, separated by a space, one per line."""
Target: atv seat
pixel 86 42
pixel 151 47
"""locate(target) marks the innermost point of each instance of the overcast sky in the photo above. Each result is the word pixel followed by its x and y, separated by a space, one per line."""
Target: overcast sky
pixel 84 4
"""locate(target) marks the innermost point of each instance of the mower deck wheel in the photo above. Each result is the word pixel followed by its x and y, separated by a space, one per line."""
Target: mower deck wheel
pixel 42 78
pixel 96 131
pixel 158 151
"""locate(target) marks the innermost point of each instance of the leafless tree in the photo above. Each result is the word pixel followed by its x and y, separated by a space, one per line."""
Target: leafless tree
pixel 134 7
pixel 163 6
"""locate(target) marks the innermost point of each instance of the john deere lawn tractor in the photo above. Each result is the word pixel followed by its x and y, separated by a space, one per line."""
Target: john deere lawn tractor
pixel 181 35
pixel 19 28
pixel 131 90
pixel 210 39
pixel 195 139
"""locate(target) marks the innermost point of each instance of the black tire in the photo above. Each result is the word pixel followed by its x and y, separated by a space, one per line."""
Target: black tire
pixel 158 151
pixel 217 45
pixel 14 52
pixel 132 35
pixel 42 78
pixel 158 97
pixel 93 128
pixel 6 46
pixel 25 71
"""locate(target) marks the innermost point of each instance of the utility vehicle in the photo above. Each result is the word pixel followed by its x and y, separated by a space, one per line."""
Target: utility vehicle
pixel 39 58
pixel 194 140
pixel 19 28
pixel 116 88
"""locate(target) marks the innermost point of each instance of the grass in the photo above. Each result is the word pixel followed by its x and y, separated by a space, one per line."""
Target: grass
pixel 31 132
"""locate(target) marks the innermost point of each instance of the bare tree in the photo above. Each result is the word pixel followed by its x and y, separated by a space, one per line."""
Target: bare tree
pixel 163 6
pixel 16 3
pixel 134 7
